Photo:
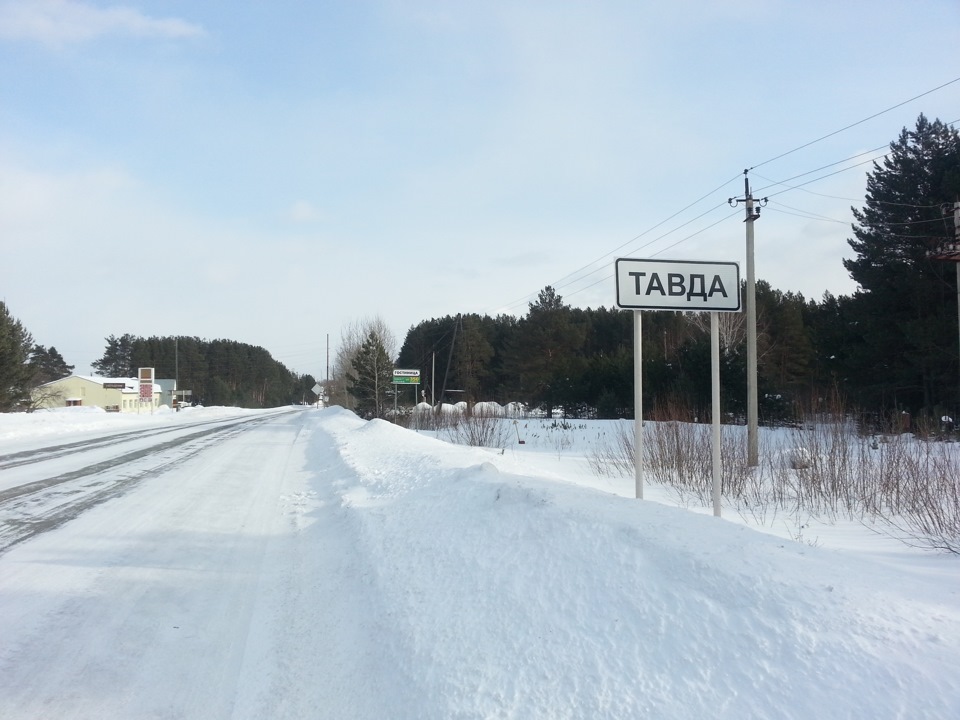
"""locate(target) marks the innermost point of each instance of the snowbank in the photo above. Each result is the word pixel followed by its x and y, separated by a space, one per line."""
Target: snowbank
pixel 513 596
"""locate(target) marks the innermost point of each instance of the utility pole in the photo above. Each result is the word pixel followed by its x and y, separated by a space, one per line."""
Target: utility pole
pixel 750 301
pixel 956 247
pixel 950 252
pixel 956 260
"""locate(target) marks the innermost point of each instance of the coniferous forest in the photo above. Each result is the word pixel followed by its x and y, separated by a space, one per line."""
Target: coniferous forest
pixel 217 372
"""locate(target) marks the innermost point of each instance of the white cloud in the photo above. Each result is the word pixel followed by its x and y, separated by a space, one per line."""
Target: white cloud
pixel 303 212
pixel 58 22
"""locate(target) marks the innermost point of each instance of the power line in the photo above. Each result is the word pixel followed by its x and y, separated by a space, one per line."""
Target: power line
pixel 559 284
pixel 822 167
pixel 580 274
pixel 822 177
pixel 609 275
pixel 804 214
pixel 851 167
pixel 858 122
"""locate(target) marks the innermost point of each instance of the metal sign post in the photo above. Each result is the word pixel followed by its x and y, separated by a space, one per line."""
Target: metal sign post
pixel 404 377
pixel 680 285
pixel 715 402
pixel 637 404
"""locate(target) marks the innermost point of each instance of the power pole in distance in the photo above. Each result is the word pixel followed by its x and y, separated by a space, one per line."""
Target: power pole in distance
pixel 750 302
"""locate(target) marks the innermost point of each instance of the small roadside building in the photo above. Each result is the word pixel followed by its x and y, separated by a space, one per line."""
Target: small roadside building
pixel 111 394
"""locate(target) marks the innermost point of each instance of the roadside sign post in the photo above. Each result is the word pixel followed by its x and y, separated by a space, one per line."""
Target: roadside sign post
pixel 404 377
pixel 145 379
pixel 679 285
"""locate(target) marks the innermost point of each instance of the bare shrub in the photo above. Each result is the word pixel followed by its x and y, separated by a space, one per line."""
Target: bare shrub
pixel 478 429
pixel 908 486
pixel 560 435
pixel 923 509
pixel 615 458
pixel 678 455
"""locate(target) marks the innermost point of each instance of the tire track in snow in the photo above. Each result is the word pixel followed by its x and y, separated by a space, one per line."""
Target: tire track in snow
pixel 39 455
pixel 37 507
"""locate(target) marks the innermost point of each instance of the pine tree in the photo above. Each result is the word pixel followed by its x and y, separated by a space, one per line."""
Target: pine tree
pixel 117 360
pixel 15 346
pixel 472 357
pixel 371 377
pixel 545 359
pixel 905 310
pixel 47 365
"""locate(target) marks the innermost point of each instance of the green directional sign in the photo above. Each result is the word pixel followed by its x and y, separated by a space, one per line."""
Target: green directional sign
pixel 406 377
pixel 406 380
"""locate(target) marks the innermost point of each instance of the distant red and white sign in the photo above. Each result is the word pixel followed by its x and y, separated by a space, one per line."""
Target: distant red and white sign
pixel 146 384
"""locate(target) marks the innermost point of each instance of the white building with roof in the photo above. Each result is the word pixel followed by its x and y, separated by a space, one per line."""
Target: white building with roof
pixel 111 394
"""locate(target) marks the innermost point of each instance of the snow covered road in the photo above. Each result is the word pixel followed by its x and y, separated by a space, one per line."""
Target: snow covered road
pixel 140 607
pixel 317 566
pixel 42 488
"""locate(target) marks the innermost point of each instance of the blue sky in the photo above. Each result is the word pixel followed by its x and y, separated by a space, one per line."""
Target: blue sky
pixel 274 172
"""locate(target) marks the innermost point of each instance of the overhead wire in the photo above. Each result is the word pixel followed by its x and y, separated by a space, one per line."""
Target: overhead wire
pixel 798 212
pixel 858 122
pixel 576 276
pixel 560 284
pixel 662 250
pixel 632 250
pixel 850 167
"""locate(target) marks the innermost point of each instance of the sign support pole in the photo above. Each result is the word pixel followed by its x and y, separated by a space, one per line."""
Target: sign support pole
pixel 637 404
pixel 715 382
pixel 677 285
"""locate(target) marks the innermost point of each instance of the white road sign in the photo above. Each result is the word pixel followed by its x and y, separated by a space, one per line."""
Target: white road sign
pixel 687 285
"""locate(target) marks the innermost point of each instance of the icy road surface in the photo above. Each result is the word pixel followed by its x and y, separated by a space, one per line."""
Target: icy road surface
pixel 310 565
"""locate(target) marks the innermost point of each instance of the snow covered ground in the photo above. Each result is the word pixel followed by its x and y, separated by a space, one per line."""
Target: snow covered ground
pixel 314 565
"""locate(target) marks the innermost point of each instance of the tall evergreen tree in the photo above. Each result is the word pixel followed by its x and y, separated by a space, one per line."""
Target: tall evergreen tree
pixel 15 374
pixel 371 377
pixel 117 360
pixel 545 360
pixel 47 365
pixel 471 359
pixel 905 308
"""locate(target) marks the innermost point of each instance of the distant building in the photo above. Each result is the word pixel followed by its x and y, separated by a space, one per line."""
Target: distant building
pixel 111 394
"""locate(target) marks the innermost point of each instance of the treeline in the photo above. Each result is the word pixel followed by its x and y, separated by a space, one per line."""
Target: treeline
pixel 581 360
pixel 889 348
pixel 218 372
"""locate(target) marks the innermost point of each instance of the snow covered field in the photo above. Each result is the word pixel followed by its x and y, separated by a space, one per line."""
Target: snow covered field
pixel 312 565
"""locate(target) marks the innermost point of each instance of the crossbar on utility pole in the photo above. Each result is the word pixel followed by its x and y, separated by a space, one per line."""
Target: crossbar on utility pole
pixel 750 302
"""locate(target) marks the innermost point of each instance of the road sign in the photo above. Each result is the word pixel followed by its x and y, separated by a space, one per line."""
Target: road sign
pixel 406 379
pixel 317 389
pixel 687 285
pixel 406 373
pixel 145 376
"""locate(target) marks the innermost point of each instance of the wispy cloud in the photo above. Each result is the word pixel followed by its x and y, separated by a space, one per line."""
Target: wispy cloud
pixel 303 212
pixel 58 22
